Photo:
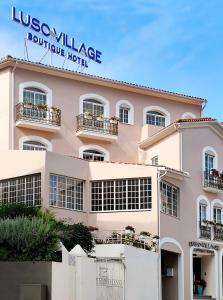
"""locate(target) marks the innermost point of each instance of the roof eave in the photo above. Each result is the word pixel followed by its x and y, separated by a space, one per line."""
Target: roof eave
pixel 22 64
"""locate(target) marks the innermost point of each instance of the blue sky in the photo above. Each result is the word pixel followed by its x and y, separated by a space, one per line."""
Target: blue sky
pixel 175 45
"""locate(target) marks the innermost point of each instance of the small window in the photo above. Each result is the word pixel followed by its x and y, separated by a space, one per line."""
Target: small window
pixel 217 215
pixel 203 212
pixel 155 160
pixel 33 145
pixel 94 107
pixel 155 118
pixel 169 199
pixel 209 162
pixel 34 95
pixel 93 155
pixel 124 115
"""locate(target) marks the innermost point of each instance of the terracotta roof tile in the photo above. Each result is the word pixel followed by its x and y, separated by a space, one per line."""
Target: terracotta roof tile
pixel 202 119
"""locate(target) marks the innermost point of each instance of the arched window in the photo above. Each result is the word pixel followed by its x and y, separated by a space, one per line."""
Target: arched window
pixel 94 104
pixel 210 159
pixel 156 115
pixel 92 154
pixel 34 142
pixel 217 211
pixel 155 118
pixel 34 145
pixel 125 112
pixel 34 96
pixel 93 107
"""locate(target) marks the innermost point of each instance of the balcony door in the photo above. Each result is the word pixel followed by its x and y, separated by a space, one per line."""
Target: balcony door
pixel 35 97
pixel 94 107
pixel 209 162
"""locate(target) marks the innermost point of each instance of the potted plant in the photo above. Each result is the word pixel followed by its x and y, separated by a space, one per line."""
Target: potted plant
pixel 214 172
pixel 88 115
pixel 114 120
pixel 200 285
pixel 28 104
pixel 100 117
pixel 144 234
pixel 54 109
pixel 221 175
pixel 41 106
pixel 129 229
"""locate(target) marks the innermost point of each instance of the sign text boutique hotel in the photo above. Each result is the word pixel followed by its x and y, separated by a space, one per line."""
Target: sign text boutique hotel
pixel 154 167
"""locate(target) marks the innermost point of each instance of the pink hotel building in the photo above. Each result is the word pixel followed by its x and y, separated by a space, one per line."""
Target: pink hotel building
pixel 155 168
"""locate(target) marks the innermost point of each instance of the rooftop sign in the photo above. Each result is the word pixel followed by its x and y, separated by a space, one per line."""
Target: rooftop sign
pixel 52 39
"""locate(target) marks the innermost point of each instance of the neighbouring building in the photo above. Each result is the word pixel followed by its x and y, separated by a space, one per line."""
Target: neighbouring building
pixel 112 154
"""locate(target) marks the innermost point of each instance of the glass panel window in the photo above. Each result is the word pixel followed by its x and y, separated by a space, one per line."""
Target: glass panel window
pixel 34 96
pixel 93 155
pixel 94 107
pixel 217 215
pixel 25 190
pixel 203 212
pixel 169 199
pixel 155 118
pixel 209 162
pixel 124 115
pixel 33 145
pixel 121 194
pixel 66 192
pixel 154 160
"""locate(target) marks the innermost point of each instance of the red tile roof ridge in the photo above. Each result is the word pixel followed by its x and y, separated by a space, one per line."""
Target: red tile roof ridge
pixel 199 119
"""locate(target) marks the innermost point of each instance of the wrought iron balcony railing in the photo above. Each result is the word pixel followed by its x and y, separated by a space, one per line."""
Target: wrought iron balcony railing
pixel 205 232
pixel 102 125
pixel 211 181
pixel 36 113
pixel 218 233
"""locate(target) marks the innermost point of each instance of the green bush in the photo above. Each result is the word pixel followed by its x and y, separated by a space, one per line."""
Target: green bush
pixel 24 239
pixel 76 234
pixel 15 210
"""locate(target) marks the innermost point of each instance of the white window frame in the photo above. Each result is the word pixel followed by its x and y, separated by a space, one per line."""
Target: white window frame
pixel 166 211
pixel 38 85
pixel 209 150
pixel 216 203
pixel 96 97
pixel 88 152
pixel 128 104
pixel 127 199
pixel 158 109
pixel 202 200
pixel 67 179
pixel 35 138
pixel 94 147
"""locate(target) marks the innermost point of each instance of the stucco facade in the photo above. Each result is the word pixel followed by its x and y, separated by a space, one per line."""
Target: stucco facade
pixel 151 169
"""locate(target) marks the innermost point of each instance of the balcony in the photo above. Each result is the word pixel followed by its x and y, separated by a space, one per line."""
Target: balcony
pixel 205 232
pixel 97 127
pixel 213 183
pixel 218 233
pixel 37 117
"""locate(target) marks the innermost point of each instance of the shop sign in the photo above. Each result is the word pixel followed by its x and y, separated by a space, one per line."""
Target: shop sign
pixel 204 245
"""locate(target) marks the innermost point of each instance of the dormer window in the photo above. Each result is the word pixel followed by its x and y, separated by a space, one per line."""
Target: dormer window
pixel 155 118
pixel 155 160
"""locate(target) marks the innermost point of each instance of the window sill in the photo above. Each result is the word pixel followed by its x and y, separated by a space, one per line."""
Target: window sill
pixel 71 209
pixel 120 211
pixel 122 123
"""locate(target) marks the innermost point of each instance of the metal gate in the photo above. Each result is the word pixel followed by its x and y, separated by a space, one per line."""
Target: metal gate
pixel 110 279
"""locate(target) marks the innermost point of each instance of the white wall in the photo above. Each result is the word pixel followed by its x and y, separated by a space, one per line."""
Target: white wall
pixel 141 270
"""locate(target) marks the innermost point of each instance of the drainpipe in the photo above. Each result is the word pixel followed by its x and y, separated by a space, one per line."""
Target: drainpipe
pixel 12 105
pixel 159 177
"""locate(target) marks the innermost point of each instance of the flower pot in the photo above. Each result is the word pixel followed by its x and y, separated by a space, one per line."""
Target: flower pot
pixel 113 121
pixel 200 290
pixel 28 105
pixel 128 231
